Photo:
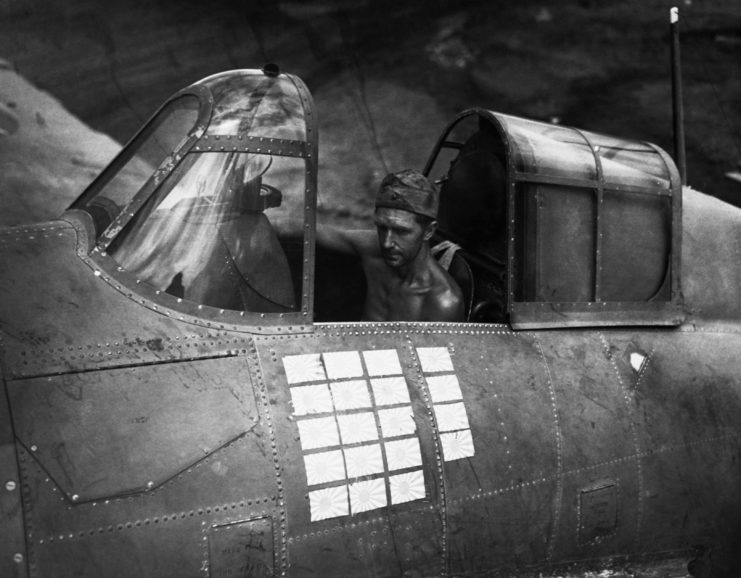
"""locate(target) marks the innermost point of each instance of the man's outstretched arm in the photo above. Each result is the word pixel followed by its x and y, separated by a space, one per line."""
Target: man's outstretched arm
pixel 361 242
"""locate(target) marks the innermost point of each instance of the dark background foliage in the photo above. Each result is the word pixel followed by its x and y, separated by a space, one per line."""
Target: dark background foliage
pixel 387 75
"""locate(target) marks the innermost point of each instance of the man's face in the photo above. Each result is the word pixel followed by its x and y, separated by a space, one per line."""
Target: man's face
pixel 400 235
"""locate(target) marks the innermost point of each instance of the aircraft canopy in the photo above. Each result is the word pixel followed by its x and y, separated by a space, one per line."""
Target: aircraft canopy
pixel 188 211
pixel 573 227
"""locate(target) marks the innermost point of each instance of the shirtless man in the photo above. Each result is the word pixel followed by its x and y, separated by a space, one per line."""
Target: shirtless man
pixel 404 281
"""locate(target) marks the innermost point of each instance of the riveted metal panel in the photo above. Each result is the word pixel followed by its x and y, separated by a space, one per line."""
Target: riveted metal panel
pixel 232 484
pixel 252 144
pixel 692 510
pixel 242 548
pixel 387 544
pixel 112 433
pixel 505 493
pixel 690 380
pixel 597 443
pixel 78 321
pixel 710 256
pixel 502 531
pixel 592 524
pixel 84 319
pixel 598 511
pixel 415 539
pixel 361 548
pixel 13 554
pixel 590 399
pixel 687 394
pixel 549 315
pixel 679 422
pixel 172 547
pixel 601 510
pixel 127 535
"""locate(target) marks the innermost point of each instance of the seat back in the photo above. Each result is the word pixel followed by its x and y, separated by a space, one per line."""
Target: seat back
pixel 456 265
pixel 460 270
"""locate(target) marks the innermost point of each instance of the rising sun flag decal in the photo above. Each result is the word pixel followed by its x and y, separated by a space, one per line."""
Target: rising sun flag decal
pixel 357 429
pixel 447 402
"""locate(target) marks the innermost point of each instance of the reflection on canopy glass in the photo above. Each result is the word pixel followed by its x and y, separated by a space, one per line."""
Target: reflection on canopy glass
pixel 261 106
pixel 138 162
pixel 207 234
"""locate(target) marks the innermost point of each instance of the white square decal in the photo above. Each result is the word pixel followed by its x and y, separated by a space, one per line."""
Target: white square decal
pixel 358 427
pixel 363 460
pixel 444 388
pixel 368 495
pixel 451 416
pixel 328 503
pixel 405 453
pixel 390 390
pixel 311 399
pixel 398 421
pixel 350 394
pixel 324 467
pixel 302 368
pixel 434 359
pixel 457 445
pixel 343 364
pixel 407 487
pixel 383 362
pixel 318 433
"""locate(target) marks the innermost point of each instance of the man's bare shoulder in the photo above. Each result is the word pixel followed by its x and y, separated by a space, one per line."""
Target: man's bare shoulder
pixel 450 307
pixel 445 302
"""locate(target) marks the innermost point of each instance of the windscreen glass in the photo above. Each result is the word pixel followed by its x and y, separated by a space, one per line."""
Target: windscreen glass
pixel 209 233
pixel 138 162
pixel 549 150
pixel 630 163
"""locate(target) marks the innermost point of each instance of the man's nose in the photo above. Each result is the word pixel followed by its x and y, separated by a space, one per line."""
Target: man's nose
pixel 386 239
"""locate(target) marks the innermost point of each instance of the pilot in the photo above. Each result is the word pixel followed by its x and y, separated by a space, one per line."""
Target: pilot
pixel 404 281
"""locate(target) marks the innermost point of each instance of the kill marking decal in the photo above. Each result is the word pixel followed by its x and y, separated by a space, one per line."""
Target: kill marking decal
pixel 447 403
pixel 357 431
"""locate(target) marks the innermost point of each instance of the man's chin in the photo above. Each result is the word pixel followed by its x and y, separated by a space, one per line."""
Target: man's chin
pixel 394 261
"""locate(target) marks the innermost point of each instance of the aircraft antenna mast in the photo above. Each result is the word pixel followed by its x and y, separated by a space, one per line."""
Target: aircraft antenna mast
pixel 677 105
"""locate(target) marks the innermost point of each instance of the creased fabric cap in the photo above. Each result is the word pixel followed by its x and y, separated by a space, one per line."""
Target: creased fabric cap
pixel 408 190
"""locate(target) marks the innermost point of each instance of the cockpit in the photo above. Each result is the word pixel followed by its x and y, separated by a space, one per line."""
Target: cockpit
pixel 541 225
pixel 559 227
pixel 189 211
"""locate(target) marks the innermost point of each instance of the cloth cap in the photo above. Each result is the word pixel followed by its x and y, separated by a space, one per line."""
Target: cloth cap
pixel 408 190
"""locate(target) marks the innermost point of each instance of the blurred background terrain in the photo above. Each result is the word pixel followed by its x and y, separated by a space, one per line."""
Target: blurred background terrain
pixel 79 78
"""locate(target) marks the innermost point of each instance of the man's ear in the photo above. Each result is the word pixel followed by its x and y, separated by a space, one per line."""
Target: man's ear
pixel 430 230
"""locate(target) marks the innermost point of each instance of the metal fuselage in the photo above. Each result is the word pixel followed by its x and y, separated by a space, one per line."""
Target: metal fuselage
pixel 134 443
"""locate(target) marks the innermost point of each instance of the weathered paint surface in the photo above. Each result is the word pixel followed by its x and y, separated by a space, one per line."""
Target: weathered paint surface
pixel 141 439
pixel 156 446
pixel 576 454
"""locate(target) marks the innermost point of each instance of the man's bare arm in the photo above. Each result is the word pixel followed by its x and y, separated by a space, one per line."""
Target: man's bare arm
pixel 361 242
